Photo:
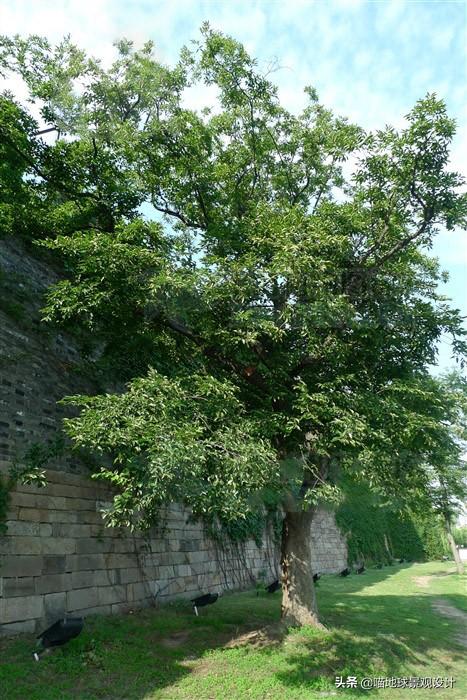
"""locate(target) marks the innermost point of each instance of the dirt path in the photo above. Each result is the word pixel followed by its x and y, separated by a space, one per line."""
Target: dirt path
pixel 448 610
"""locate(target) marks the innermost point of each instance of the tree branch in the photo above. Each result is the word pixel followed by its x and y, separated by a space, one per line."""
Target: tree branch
pixel 247 373
pixel 362 273
pixel 46 131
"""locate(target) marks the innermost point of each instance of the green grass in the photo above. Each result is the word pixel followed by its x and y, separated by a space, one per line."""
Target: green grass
pixel 380 624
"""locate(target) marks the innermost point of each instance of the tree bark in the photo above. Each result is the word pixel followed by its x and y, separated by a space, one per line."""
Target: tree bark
pixel 454 550
pixel 298 591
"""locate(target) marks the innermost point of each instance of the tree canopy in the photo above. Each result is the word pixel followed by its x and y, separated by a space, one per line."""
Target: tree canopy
pixel 275 316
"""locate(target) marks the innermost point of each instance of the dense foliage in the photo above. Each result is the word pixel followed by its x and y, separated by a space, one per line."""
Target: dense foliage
pixel 377 532
pixel 460 535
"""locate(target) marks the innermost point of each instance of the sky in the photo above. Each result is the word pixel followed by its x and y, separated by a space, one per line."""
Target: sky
pixel 369 60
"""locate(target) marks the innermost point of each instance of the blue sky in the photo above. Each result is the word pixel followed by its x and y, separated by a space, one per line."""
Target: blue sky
pixel 369 60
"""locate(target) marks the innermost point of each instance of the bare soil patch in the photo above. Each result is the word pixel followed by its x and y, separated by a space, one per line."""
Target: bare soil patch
pixel 422 581
pixel 448 610
pixel 175 640
pixel 264 636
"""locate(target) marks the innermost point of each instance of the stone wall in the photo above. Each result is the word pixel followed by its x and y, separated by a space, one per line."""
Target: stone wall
pixel 328 544
pixel 57 556
pixel 37 367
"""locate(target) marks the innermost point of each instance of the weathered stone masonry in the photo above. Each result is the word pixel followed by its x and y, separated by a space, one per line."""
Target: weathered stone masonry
pixel 57 556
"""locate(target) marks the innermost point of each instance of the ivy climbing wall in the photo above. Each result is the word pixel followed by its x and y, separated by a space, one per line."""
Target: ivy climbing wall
pixel 56 555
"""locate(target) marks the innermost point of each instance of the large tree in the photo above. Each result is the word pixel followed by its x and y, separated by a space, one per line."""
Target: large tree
pixel 275 319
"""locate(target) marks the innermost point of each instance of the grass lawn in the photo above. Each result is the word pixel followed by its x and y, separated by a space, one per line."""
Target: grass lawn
pixel 380 624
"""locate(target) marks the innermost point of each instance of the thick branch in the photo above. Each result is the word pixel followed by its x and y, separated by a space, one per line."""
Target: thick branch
pixel 177 215
pixel 248 374
pixel 46 131
pixel 364 273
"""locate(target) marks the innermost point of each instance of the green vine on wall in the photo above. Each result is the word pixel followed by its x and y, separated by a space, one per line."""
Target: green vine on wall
pixel 376 532
pixel 29 469
pixel 253 526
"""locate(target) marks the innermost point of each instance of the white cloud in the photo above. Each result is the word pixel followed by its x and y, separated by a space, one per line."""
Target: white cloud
pixel 330 45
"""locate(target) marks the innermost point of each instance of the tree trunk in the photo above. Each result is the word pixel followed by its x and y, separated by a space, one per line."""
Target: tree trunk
pixel 298 590
pixel 454 550
pixel 388 548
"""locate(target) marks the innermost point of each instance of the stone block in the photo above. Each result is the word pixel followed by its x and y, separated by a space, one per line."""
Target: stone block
pixel 183 570
pixel 23 586
pixel 129 575
pixel 97 610
pixel 54 564
pixel 91 545
pixel 33 514
pixel 30 529
pixel 178 558
pixel 60 477
pixel 190 545
pixel 164 558
pixel 82 579
pixel 166 572
pixel 120 561
pixel 73 491
pixel 58 545
pixel 84 562
pixel 123 545
pixel 87 579
pixel 62 516
pixel 158 546
pixel 20 545
pixel 22 608
pixel 197 568
pixel 191 583
pixel 54 606
pixel 82 598
pixel 196 557
pixel 122 608
pixel 53 583
pixel 12 513
pixel 175 587
pixel 21 566
pixel 71 530
pixel 80 504
pixel 28 500
pixel 25 627
pixel 138 591
pixel 109 595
